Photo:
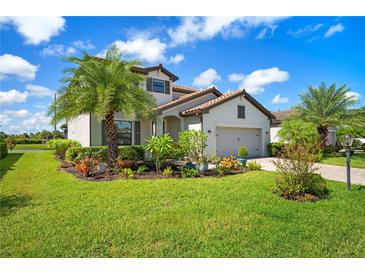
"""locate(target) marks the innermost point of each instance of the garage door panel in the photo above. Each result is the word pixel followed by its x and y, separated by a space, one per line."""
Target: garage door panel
pixel 230 139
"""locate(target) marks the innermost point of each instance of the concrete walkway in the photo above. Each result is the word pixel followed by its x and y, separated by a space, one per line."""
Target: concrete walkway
pixel 331 172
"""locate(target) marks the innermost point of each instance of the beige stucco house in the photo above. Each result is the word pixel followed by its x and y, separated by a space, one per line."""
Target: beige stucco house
pixel 230 120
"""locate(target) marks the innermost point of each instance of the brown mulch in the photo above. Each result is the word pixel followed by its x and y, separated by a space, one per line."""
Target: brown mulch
pixel 112 174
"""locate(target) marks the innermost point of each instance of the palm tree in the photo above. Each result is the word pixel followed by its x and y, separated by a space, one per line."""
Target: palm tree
pixel 103 87
pixel 328 107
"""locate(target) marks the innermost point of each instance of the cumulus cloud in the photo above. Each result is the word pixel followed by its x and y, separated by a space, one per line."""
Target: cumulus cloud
pixel 206 78
pixel 149 50
pixel 203 28
pixel 304 31
pixel 333 30
pixel 4 119
pixel 39 91
pixel 17 113
pixel 11 65
pixel 256 81
pixel 83 44
pixel 354 95
pixel 176 59
pixel 34 29
pixel 36 122
pixel 12 96
pixel 57 50
pixel 280 100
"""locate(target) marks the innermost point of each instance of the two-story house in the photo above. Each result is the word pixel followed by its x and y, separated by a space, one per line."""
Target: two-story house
pixel 230 120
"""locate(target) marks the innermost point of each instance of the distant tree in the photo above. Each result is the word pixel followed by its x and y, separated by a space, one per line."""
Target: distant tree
pixel 328 107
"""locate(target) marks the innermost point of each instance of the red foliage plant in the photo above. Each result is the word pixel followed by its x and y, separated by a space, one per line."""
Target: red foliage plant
pixel 87 166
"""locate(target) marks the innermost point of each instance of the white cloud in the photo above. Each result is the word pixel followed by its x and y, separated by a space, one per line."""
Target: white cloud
pixel 34 29
pixel 256 81
pixel 12 96
pixel 39 91
pixel 267 32
pixel 83 44
pixel 17 113
pixel 4 119
pixel 354 95
pixel 176 59
pixel 280 100
pixel 36 122
pixel 333 30
pixel 57 50
pixel 149 50
pixel 206 78
pixel 16 66
pixel 304 31
pixel 204 28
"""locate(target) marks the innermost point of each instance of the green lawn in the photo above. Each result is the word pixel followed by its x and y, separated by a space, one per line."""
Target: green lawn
pixel 357 160
pixel 48 213
pixel 31 146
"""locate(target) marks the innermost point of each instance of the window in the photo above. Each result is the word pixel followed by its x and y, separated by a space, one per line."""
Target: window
pixel 137 132
pixel 241 112
pixel 157 85
pixel 124 132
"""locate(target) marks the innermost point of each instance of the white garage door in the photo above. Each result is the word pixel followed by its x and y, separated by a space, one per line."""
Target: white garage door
pixel 229 139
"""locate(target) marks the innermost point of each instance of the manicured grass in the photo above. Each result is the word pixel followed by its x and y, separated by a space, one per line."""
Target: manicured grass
pixel 357 160
pixel 31 146
pixel 48 213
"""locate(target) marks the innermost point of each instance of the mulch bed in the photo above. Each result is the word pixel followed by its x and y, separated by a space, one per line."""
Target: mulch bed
pixel 112 174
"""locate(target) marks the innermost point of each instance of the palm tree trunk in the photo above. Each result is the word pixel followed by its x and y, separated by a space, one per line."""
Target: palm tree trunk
pixel 111 139
pixel 323 132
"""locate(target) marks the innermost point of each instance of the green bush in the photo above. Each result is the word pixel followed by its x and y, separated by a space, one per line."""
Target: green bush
pixel 275 149
pixel 128 173
pixel 131 153
pixel 189 172
pixel 253 165
pixel 167 171
pixel 101 152
pixel 60 146
pixel 160 148
pixel 242 151
pixel 356 144
pixel 193 143
pixel 331 151
pixel 26 141
pixel 3 149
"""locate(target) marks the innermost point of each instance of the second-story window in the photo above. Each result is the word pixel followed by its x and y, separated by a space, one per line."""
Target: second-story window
pixel 157 85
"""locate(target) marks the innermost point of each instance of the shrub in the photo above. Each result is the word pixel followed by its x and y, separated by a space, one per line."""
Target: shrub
pixel 297 175
pixel 87 166
pixel 356 144
pixel 60 146
pixel 297 132
pixel 189 172
pixel 25 141
pixel 275 149
pixel 101 152
pixel 242 151
pixel 167 171
pixel 135 153
pixel 331 151
pixel 193 143
pixel 128 173
pixel 253 165
pixel 160 147
pixel 10 143
pixel 3 149
pixel 227 165
pixel 141 169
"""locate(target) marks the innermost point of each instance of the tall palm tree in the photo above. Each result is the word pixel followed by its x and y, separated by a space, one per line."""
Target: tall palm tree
pixel 103 87
pixel 328 107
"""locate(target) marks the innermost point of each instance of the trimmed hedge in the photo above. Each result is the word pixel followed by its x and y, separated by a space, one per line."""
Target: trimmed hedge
pixel 3 149
pixel 60 146
pixel 24 141
pixel 275 149
pixel 125 153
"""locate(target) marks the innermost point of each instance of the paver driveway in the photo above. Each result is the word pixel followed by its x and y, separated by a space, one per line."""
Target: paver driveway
pixel 332 172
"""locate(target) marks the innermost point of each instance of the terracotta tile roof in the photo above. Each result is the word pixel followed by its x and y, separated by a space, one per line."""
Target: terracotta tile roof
pixel 204 107
pixel 188 97
pixel 183 89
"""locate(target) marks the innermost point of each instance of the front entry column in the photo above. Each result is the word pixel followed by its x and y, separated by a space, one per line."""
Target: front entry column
pixel 159 126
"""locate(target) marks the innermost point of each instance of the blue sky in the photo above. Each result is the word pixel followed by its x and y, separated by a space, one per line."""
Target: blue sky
pixel 274 58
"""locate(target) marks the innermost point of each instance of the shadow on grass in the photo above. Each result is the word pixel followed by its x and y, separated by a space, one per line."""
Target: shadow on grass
pixel 8 162
pixel 9 203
